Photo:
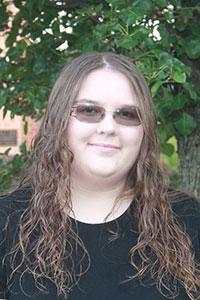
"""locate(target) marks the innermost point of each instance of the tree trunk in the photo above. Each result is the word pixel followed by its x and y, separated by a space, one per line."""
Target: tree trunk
pixel 189 155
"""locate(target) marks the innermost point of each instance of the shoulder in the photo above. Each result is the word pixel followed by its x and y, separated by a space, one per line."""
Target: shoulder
pixel 185 206
pixel 17 197
pixel 14 202
pixel 12 206
pixel 186 210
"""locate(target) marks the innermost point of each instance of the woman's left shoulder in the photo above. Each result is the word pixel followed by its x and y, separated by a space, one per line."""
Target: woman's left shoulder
pixel 184 204
pixel 187 209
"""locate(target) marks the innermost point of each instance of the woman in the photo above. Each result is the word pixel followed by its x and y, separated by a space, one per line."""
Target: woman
pixel 94 218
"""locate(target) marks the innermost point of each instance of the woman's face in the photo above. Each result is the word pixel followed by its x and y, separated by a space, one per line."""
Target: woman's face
pixel 104 150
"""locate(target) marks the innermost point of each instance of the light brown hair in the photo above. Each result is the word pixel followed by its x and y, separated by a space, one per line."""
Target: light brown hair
pixel 49 177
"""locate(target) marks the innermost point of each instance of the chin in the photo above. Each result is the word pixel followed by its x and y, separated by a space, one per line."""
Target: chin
pixel 104 174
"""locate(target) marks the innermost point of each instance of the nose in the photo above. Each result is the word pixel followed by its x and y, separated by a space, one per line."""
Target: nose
pixel 107 125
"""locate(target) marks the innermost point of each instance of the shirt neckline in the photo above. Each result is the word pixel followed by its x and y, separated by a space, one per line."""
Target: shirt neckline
pixel 113 221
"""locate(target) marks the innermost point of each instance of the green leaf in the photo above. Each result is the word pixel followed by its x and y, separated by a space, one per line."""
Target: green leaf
pixel 171 161
pixel 3 96
pixel 114 2
pixel 98 8
pixel 22 148
pixel 129 16
pixel 41 4
pixel 11 38
pixel 165 36
pixel 185 124
pixel 155 87
pixel 187 13
pixel 25 127
pixel 179 76
pixel 192 48
pixel 56 28
pixel 39 64
pixel 127 43
pixel 178 102
pixel 38 104
pixel 180 26
pixel 166 59
pixel 143 6
pixel 100 32
pixel 168 149
pixel 22 44
pixel 18 3
pixel 4 15
pixel 191 89
pixel 165 132
pixel 161 3
pixel 195 29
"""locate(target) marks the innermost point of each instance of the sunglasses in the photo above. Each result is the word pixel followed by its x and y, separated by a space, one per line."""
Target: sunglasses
pixel 92 113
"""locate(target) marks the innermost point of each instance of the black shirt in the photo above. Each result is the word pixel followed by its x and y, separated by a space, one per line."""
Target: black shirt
pixel 109 266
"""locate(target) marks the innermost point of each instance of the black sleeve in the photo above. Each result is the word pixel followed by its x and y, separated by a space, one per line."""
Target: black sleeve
pixel 11 207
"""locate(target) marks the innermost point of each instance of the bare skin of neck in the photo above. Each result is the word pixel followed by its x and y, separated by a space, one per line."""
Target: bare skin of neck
pixel 94 204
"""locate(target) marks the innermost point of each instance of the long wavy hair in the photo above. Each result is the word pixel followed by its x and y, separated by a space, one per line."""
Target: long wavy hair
pixel 165 250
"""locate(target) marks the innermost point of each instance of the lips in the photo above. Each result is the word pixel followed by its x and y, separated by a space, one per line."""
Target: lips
pixel 104 146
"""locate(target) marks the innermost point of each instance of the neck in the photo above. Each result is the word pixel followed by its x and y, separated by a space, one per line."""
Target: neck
pixel 92 204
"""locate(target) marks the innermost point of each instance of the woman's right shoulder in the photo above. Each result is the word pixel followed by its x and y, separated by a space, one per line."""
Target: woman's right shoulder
pixel 14 202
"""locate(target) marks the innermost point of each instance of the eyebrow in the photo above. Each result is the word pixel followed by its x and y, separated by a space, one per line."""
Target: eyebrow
pixel 97 102
pixel 87 101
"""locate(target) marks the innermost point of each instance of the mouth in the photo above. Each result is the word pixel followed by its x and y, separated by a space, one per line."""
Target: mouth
pixel 104 146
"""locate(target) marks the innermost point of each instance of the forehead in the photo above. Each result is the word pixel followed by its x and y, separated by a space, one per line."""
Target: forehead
pixel 107 86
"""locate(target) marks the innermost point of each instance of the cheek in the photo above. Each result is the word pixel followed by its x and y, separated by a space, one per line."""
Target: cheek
pixel 134 137
pixel 78 132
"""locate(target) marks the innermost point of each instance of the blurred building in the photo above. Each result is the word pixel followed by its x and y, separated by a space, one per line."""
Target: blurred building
pixel 11 130
pixel 12 133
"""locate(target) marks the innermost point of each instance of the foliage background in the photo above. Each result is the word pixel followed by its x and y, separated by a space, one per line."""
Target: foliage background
pixel 162 38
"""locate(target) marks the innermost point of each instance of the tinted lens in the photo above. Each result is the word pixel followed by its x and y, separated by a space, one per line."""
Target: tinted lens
pixel 127 116
pixel 89 113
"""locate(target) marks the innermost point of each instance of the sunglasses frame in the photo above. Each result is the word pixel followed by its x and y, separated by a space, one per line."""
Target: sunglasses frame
pixel 73 113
